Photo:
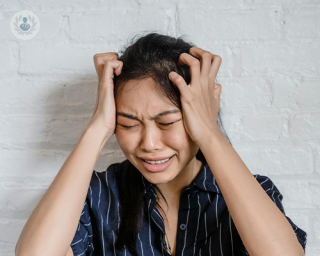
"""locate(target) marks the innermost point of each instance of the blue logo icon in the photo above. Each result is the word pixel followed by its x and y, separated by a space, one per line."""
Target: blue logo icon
pixel 25 28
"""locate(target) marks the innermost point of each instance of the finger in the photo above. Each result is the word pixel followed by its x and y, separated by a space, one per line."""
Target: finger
pixel 100 59
pixel 114 54
pixel 217 91
pixel 108 72
pixel 217 94
pixel 205 59
pixel 194 65
pixel 107 77
pixel 180 83
pixel 215 68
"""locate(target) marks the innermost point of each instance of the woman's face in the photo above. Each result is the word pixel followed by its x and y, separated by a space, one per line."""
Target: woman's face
pixel 150 127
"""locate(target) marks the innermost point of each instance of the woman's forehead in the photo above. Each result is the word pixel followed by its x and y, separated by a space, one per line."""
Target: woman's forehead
pixel 148 105
pixel 144 93
pixel 144 100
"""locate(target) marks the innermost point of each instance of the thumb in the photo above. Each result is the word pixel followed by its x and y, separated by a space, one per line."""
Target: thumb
pixel 217 91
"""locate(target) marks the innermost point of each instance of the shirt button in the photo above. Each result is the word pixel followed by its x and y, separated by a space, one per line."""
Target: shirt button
pixel 183 226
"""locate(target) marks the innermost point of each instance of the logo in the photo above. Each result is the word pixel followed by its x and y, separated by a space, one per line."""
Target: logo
pixel 25 25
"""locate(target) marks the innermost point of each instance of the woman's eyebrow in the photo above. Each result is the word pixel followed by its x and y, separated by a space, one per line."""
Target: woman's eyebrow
pixel 167 112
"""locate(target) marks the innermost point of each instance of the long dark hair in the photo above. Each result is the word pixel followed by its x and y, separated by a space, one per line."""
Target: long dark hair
pixel 152 55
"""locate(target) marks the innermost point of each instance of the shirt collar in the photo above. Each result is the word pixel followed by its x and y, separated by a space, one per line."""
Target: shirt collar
pixel 204 181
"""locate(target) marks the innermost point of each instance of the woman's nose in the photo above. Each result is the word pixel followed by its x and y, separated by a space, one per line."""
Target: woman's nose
pixel 151 140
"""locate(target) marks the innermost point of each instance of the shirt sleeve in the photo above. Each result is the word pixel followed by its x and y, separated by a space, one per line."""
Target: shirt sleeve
pixel 82 243
pixel 277 197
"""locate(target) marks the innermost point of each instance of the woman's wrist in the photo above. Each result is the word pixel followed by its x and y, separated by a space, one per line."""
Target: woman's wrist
pixel 97 132
pixel 213 134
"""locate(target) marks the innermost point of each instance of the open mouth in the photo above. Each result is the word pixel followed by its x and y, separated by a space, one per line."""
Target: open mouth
pixel 159 161
pixel 157 166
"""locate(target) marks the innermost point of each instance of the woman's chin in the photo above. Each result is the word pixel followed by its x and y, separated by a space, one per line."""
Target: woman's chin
pixel 158 178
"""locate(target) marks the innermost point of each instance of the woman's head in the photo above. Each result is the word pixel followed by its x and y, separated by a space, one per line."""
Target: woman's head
pixel 149 117
pixel 142 91
pixel 154 56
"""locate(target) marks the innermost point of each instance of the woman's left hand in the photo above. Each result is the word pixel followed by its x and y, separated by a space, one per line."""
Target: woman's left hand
pixel 200 100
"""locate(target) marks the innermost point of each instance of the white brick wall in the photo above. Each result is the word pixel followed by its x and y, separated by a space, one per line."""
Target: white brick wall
pixel 270 78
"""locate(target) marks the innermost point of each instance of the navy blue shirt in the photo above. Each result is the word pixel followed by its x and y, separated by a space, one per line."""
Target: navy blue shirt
pixel 205 226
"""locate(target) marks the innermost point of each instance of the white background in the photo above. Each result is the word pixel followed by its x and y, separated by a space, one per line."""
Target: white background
pixel 270 76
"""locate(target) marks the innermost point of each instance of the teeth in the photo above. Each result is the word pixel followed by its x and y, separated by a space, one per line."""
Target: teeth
pixel 157 162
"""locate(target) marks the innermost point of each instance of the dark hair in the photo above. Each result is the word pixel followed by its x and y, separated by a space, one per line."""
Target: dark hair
pixel 152 55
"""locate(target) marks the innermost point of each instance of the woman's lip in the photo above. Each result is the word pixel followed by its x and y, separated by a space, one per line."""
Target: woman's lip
pixel 155 159
pixel 157 167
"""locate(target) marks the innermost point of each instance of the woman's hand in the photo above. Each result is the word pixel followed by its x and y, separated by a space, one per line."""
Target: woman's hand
pixel 200 99
pixel 104 115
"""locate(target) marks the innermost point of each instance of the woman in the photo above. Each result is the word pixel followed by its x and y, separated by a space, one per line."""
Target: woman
pixel 183 189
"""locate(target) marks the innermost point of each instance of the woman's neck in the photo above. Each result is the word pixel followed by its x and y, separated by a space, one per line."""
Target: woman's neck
pixel 172 189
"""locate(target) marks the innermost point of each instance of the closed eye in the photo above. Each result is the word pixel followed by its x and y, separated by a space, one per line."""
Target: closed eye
pixel 164 124
pixel 167 124
pixel 125 126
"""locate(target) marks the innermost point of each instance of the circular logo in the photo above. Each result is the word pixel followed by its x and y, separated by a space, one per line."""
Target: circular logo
pixel 25 25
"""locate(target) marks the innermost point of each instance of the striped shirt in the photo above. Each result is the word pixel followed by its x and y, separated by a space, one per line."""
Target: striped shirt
pixel 205 226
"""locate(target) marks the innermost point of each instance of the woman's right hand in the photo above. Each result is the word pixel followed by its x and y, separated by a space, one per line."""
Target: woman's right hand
pixel 104 115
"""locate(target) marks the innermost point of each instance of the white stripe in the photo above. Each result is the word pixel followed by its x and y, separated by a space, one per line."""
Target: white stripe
pixel 102 234
pixel 162 249
pixel 113 238
pixel 273 198
pixel 109 198
pixel 205 226
pixel 264 181
pixel 205 177
pixel 216 203
pixel 281 203
pixel 158 214
pixel 209 197
pixel 118 217
pixel 214 183
pixel 153 193
pixel 90 197
pixel 231 233
pixel 217 210
pixel 210 246
pixel 143 181
pixel 76 242
pixel 205 185
pixel 185 237
pixel 141 245
pixel 157 225
pixel 99 188
pixel 195 240
pixel 82 253
pixel 220 242
pixel 150 228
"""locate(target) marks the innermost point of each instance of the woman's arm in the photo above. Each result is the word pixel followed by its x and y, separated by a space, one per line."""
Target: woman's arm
pixel 52 225
pixel 262 227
